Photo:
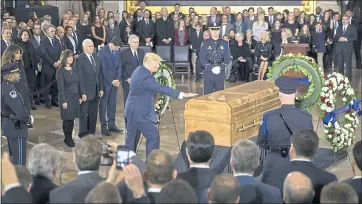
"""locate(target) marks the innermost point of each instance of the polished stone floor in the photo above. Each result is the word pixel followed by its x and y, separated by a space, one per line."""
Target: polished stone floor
pixel 48 129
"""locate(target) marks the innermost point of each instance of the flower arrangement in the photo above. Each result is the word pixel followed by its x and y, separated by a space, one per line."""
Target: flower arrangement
pixel 163 76
pixel 339 136
pixel 309 68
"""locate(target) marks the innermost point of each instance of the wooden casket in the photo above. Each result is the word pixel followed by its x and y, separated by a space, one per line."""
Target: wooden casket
pixel 231 114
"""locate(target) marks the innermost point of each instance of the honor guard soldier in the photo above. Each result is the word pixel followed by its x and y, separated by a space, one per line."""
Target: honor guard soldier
pixel 279 124
pixel 214 57
pixel 14 115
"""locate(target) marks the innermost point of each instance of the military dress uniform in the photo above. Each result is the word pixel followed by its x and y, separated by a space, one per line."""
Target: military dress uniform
pixel 214 57
pixel 14 117
pixel 278 126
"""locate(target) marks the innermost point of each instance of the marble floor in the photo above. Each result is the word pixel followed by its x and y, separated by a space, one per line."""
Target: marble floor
pixel 48 129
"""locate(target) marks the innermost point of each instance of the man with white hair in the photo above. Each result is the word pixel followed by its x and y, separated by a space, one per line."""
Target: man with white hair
pixel 279 124
pixel 140 110
pixel 90 72
pixel 165 29
pixel 43 162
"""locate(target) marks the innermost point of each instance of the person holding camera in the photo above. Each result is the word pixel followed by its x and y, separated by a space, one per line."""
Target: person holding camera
pixel 14 114
pixel 279 124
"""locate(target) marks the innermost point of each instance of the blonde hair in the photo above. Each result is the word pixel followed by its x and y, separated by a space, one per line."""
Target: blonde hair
pixel 288 31
pixel 266 36
pixel 151 57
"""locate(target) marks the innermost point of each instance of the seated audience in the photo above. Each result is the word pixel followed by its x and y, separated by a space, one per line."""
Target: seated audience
pixel 224 189
pixel 104 192
pixel 278 50
pixel 338 193
pixel 356 181
pixel 304 145
pixel 177 191
pixel 298 188
pixel 244 161
pixel 24 176
pixel 43 162
pixel 87 152
pixel 200 147
pixel 242 62
pixel 263 53
pixel 181 33
pixel 249 39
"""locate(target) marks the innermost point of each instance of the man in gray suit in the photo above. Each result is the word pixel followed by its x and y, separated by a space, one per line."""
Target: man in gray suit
pixel 225 26
pixel 249 21
pixel 88 153
pixel 112 30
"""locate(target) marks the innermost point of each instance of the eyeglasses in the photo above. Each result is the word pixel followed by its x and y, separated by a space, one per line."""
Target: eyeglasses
pixel 214 29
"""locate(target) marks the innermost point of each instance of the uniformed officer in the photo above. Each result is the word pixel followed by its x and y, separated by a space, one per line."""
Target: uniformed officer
pixel 279 124
pixel 214 57
pixel 14 115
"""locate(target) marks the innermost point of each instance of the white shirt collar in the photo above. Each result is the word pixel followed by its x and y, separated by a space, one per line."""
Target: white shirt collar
pixel 84 172
pixel 357 177
pixel 11 186
pixel 154 190
pixel 306 160
pixel 242 174
pixel 200 166
pixel 88 55
pixel 50 39
pixel 133 51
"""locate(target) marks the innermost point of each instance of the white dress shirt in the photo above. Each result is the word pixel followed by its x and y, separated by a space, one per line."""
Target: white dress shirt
pixel 242 174
pixel 200 166
pixel 85 172
pixel 73 43
pixel 154 190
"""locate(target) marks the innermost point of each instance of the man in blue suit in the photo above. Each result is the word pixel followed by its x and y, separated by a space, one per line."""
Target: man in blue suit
pixel 111 64
pixel 140 109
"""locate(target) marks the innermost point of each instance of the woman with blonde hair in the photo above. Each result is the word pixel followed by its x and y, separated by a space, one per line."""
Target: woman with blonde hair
pixel 263 53
pixel 259 27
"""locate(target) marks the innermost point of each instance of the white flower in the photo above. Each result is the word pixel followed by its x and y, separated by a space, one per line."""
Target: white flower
pixel 329 109
pixel 325 88
pixel 349 142
pixel 326 131
pixel 323 94
pixel 290 55
pixel 344 99
pixel 346 80
pixel 329 136
pixel 323 106
pixel 336 125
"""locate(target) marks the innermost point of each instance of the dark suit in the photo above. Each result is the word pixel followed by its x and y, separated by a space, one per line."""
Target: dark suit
pixel 140 110
pixel 270 21
pixel 111 33
pixel 61 41
pixel 180 15
pixel 77 190
pixel 249 23
pixel 357 186
pixel 199 178
pixel 111 65
pixel 69 44
pixel 227 29
pixel 164 30
pixel 16 195
pixel 92 79
pixel 3 46
pixel 146 31
pixel 41 188
pixel 214 19
pixel 50 55
pixel 344 49
pixel 319 177
pixel 39 79
pixel 357 22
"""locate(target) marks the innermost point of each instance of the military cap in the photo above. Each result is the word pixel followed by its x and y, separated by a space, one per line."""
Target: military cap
pixel 9 68
pixel 287 85
pixel 215 25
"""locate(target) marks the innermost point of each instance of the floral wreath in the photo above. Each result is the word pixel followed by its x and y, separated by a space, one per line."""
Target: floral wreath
pixel 163 76
pixel 339 136
pixel 309 68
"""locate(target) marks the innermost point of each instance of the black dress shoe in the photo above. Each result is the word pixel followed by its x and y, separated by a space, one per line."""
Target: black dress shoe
pixel 33 107
pixel 41 100
pixel 106 133
pixel 37 102
pixel 30 125
pixel 115 129
pixel 55 103
pixel 69 143
pixel 48 105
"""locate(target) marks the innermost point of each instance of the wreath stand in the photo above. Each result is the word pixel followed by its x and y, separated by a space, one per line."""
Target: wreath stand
pixel 158 128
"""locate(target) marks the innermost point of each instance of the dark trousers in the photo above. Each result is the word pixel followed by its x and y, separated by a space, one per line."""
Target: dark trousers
pixel 88 116
pixel 198 68
pixel 125 86
pixel 107 107
pixel 17 150
pixel 149 131
pixel 68 126
pixel 31 78
pixel 345 57
pixel 357 50
pixel 212 82
pixel 52 90
pixel 328 57
pixel 243 68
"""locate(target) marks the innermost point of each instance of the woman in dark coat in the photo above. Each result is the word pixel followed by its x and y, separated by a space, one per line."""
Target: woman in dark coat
pixel 263 53
pixel 29 61
pixel 70 92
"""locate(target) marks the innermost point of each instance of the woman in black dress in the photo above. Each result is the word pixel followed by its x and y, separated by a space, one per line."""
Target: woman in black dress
pixel 127 32
pixel 70 93
pixel 263 53
pixel 292 24
pixel 84 30
pixel 276 32
pixel 98 33
pixel 29 61
pixel 304 35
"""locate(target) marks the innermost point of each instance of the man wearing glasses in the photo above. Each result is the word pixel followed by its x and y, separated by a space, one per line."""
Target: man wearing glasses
pixel 214 57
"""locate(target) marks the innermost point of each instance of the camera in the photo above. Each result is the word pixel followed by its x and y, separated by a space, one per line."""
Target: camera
pixel 122 156
pixel 106 159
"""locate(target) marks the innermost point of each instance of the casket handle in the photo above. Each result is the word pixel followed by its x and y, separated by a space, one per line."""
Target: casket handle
pixel 253 124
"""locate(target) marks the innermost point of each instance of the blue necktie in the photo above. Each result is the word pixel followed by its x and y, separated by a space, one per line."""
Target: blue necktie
pixel 135 59
pixel 114 56
pixel 53 42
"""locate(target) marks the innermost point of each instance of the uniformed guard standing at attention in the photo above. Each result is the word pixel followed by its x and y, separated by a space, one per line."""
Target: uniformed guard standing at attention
pixel 279 124
pixel 14 115
pixel 214 57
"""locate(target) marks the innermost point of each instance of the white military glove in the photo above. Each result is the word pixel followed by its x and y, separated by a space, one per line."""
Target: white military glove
pixel 31 120
pixel 216 70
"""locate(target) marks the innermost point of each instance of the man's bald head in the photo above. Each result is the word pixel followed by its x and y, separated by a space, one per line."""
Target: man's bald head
pixel 225 188
pixel 60 31
pixel 159 168
pixel 298 188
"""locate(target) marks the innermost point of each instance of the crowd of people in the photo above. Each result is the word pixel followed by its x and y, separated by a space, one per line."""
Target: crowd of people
pixel 79 66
